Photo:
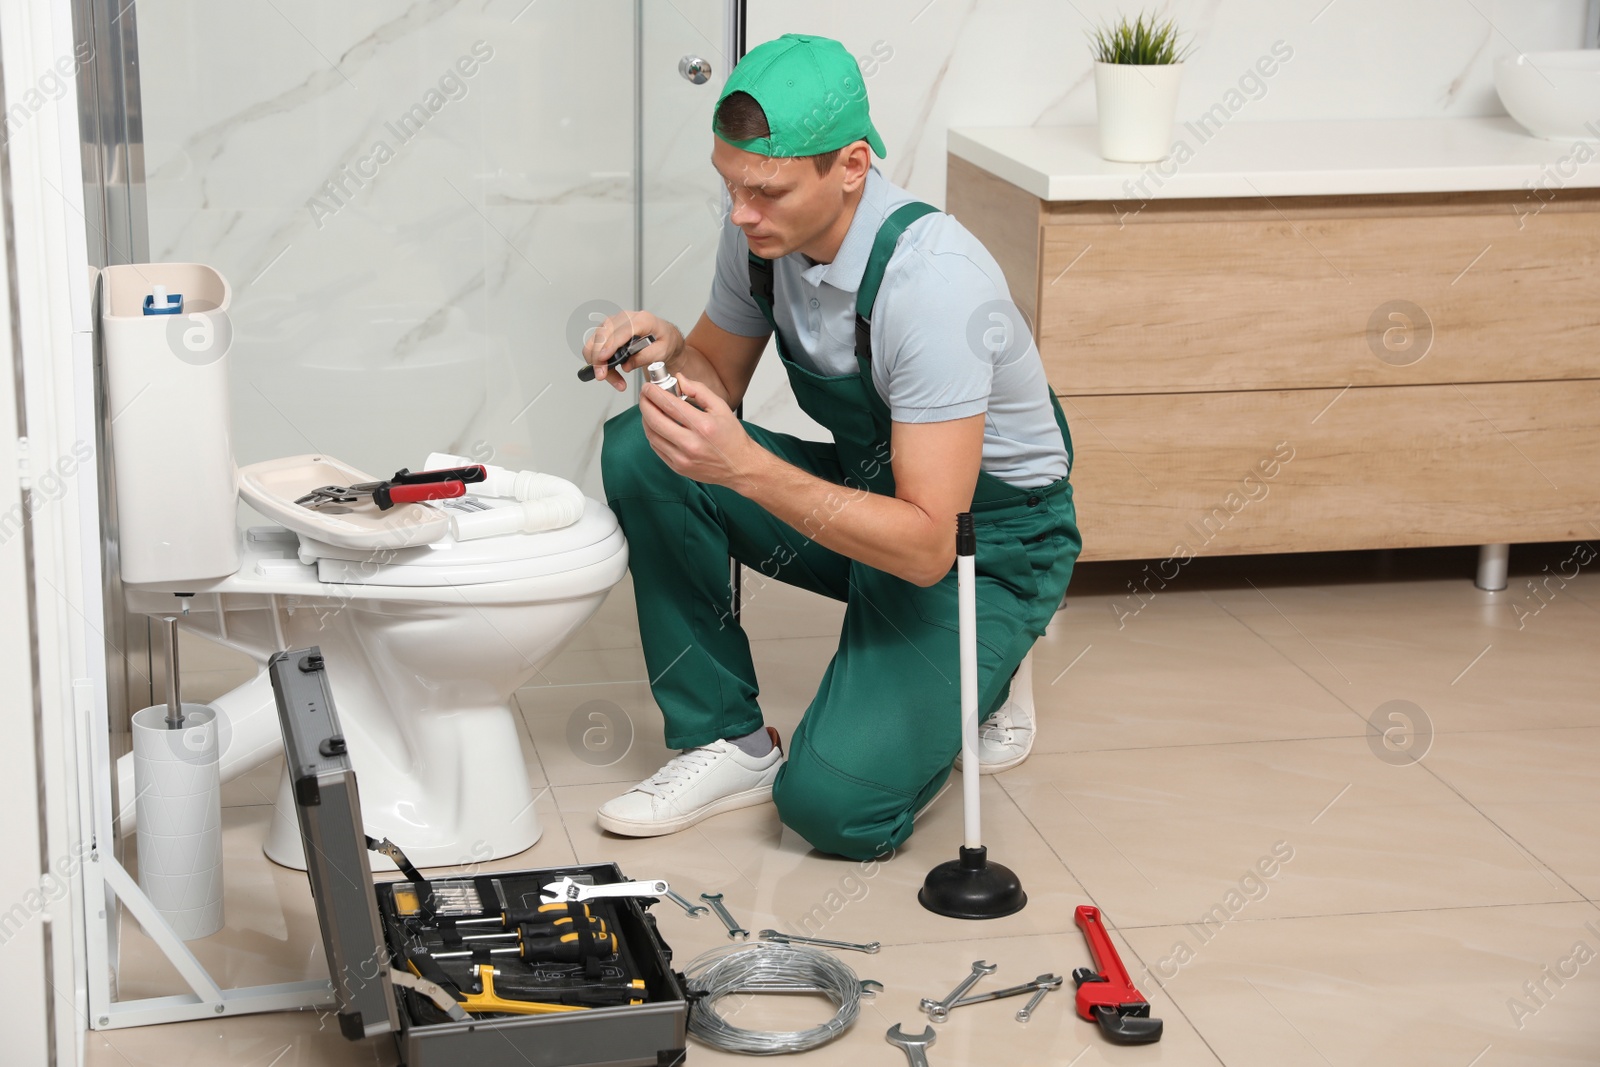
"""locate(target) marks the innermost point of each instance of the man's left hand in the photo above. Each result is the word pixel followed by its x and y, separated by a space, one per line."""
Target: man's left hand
pixel 707 443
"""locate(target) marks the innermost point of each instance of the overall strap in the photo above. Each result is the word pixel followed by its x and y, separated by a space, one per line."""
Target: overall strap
pixel 760 270
pixel 761 287
pixel 872 278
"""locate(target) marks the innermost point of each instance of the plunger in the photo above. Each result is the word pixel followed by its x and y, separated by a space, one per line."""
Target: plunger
pixel 970 887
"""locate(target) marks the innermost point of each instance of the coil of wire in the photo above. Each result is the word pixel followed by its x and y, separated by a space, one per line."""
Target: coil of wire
pixel 769 967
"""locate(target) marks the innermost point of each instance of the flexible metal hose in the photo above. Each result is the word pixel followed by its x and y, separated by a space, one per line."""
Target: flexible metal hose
pixel 769 967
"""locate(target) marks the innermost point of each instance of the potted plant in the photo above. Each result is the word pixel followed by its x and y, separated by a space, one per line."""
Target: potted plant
pixel 1136 71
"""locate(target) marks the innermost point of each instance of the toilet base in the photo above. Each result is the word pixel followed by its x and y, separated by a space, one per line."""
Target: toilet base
pixel 491 838
pixel 425 679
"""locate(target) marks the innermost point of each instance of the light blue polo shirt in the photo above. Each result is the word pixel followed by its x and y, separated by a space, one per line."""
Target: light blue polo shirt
pixel 947 341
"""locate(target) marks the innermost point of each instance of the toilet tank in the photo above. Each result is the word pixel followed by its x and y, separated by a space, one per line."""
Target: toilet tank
pixel 170 437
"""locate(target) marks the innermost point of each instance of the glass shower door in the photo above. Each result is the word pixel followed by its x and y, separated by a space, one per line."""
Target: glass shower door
pixel 685 59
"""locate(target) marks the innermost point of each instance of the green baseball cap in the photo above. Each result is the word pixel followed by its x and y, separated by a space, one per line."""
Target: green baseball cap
pixel 812 92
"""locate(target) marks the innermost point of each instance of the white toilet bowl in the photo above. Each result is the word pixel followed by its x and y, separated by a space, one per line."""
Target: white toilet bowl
pixel 425 652
pixel 426 637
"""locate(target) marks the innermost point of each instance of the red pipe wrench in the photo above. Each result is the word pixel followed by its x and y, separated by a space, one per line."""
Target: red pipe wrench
pixel 1105 992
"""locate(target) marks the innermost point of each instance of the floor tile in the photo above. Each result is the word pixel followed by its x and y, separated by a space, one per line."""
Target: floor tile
pixel 1464 664
pixel 1538 786
pixel 1172 835
pixel 280 1039
pixel 1104 683
pixel 1424 989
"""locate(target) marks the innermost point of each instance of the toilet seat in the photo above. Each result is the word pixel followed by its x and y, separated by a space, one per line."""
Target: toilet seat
pixel 410 546
pixel 274 487
pixel 594 538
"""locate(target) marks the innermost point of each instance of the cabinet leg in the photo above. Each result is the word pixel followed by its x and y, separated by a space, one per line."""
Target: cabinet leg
pixel 1492 563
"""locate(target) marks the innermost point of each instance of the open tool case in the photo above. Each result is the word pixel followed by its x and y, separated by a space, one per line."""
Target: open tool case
pixel 475 968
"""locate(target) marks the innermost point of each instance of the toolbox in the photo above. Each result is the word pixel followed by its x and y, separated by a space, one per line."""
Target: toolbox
pixel 469 968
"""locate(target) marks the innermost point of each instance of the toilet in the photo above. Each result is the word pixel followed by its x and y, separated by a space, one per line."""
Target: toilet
pixel 427 635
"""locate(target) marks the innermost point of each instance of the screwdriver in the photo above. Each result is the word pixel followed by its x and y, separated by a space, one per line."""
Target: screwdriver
pixel 563 949
pixel 538 930
pixel 619 357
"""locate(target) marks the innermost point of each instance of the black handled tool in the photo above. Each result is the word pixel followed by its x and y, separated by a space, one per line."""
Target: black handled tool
pixel 561 948
pixel 634 346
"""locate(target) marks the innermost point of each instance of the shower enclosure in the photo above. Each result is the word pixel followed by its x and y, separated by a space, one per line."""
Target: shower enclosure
pixel 421 209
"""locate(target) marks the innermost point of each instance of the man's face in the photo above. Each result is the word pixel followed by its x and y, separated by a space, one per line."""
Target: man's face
pixel 783 205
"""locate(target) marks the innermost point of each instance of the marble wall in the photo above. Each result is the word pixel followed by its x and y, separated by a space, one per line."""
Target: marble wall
pixel 411 202
pixel 418 204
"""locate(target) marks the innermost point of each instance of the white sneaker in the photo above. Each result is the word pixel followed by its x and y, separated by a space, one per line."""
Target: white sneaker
pixel 694 785
pixel 1006 737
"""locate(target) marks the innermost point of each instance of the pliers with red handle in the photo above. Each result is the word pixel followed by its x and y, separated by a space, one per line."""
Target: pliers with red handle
pixel 406 487
pixel 1105 992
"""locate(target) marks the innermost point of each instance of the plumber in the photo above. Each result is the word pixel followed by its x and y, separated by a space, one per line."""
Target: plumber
pixel 898 335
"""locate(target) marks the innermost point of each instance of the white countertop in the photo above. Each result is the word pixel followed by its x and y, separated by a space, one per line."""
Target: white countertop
pixel 1307 158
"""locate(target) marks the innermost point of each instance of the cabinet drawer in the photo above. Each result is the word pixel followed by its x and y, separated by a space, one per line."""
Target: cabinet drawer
pixel 1318 292
pixel 1327 469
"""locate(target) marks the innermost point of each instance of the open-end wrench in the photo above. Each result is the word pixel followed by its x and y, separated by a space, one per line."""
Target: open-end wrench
pixel 694 910
pixel 1025 1012
pixel 1043 983
pixel 913 1047
pixel 940 1009
pixel 795 939
pixel 735 931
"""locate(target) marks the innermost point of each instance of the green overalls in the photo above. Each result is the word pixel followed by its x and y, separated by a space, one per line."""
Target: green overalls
pixel 881 734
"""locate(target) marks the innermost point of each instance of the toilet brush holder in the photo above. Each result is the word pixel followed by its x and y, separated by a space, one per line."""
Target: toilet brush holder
pixel 970 887
pixel 179 803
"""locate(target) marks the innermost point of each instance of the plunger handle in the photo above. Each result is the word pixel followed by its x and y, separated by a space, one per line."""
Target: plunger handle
pixel 967 622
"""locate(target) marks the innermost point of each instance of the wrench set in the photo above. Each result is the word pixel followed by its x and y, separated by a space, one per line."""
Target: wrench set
pixel 539 953
pixel 1105 993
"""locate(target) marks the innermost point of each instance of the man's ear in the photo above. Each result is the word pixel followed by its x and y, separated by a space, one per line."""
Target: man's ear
pixel 856 159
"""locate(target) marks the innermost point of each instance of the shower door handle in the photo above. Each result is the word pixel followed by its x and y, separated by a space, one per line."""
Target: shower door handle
pixel 695 69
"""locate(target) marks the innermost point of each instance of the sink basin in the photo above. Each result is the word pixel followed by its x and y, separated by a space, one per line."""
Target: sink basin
pixel 1553 94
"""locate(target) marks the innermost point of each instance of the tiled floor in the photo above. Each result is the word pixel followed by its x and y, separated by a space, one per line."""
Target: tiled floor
pixel 1414 912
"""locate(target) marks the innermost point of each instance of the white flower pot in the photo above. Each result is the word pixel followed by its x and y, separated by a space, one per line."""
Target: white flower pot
pixel 1137 104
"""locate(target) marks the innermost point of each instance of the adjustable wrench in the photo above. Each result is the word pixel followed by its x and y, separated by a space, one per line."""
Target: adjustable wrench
pixel 795 939
pixel 567 889
pixel 734 929
pixel 1105 992
pixel 939 1010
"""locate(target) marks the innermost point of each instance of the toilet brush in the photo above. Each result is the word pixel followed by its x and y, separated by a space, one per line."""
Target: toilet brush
pixel 174 705
pixel 970 887
pixel 176 749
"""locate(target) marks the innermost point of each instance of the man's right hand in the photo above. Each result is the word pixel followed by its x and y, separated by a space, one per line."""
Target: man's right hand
pixel 617 330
